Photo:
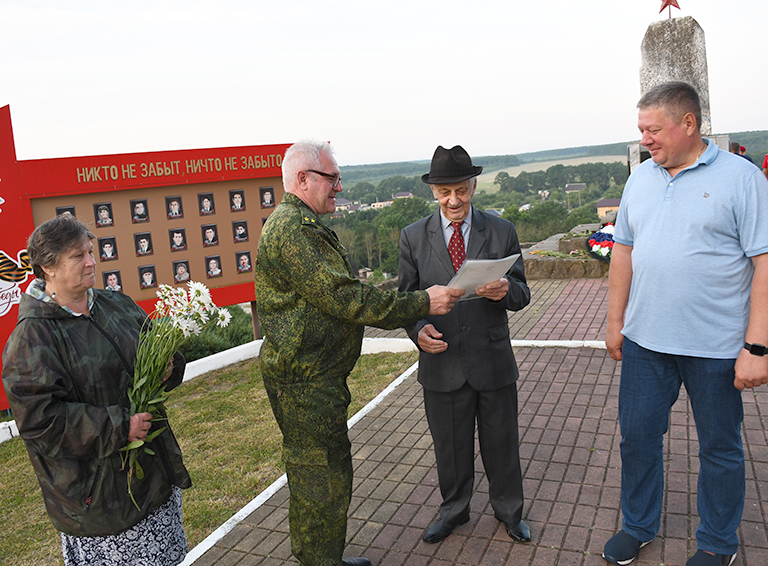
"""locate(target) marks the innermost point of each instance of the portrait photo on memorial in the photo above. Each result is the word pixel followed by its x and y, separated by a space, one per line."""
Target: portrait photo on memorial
pixel 112 281
pixel 174 207
pixel 205 200
pixel 102 212
pixel 210 235
pixel 147 277
pixel 267 196
pixel 237 200
pixel 181 271
pixel 139 211
pixel 107 248
pixel 63 209
pixel 178 239
pixel 143 243
pixel 243 262
pixel 213 266
pixel 240 231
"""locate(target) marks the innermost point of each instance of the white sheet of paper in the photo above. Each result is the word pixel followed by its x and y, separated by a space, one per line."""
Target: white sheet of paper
pixel 477 272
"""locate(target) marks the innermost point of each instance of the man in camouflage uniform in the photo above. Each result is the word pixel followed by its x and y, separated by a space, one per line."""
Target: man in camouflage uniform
pixel 313 311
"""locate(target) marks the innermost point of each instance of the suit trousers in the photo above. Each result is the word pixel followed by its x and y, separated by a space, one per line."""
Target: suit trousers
pixel 451 417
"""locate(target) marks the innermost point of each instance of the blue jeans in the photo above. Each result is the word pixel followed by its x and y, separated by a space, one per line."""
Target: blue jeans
pixel 650 385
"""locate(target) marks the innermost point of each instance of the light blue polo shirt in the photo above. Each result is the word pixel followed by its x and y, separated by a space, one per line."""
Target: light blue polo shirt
pixel 692 237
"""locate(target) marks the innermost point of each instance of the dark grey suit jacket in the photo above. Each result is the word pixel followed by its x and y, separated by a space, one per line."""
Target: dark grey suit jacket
pixel 476 330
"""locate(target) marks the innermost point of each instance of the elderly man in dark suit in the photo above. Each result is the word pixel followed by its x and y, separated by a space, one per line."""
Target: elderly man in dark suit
pixel 466 363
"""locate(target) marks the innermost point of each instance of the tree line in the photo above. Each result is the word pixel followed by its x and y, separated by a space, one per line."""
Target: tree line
pixel 371 237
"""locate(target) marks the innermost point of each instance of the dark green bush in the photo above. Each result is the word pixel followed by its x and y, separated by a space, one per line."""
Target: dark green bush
pixel 214 339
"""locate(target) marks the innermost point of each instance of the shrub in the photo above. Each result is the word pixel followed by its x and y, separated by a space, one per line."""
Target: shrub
pixel 214 339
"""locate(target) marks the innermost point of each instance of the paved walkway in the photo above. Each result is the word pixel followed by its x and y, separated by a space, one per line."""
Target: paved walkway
pixel 570 457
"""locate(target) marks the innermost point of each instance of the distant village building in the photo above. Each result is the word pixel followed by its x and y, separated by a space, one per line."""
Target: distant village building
pixel 524 207
pixel 342 203
pixel 378 205
pixel 364 273
pixel 607 205
pixel 403 194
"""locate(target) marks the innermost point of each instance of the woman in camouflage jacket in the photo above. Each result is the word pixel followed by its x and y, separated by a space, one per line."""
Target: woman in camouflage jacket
pixel 66 369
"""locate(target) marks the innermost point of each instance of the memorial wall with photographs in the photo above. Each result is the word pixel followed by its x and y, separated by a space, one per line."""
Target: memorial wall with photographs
pixel 203 232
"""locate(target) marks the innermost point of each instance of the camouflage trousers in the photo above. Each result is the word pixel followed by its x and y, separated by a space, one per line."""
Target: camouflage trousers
pixel 316 450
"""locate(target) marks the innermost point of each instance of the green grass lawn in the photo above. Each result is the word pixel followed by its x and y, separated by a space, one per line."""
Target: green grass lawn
pixel 231 447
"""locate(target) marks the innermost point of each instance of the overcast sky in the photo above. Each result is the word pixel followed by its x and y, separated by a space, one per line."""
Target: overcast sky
pixel 383 81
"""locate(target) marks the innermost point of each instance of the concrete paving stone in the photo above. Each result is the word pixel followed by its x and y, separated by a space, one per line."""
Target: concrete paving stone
pixel 419 473
pixel 252 539
pixel 387 536
pixel 275 521
pixel 570 558
pixel 383 490
pixel 673 551
pixel 262 513
pixel 550 535
pixel 365 509
pixel 211 557
pixel 235 535
pixel 402 492
pixel 404 514
pixel 450 548
pixel 268 561
pixel 268 543
pixel 561 513
pixel 496 553
pixel 382 470
pixel 425 516
pixel 675 525
pixel 753 534
pixel 753 511
pixel 607 518
pixel 394 558
pixel 385 512
pixel 473 551
pixel 543 557
pixel 583 515
pixel 752 557
pixel 353 527
pixel 367 533
pixel 283 550
pixel 230 558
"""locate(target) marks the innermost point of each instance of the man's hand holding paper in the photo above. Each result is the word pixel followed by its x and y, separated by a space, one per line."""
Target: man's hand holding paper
pixel 495 291
pixel 484 277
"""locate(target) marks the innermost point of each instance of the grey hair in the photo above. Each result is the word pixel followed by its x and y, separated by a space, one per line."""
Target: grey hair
pixel 301 156
pixel 676 97
pixel 53 238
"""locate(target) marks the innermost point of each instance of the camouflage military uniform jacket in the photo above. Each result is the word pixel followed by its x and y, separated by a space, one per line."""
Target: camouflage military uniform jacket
pixel 312 308
pixel 67 382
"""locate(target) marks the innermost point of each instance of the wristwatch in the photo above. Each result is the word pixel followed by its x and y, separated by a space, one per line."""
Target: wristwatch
pixel 756 349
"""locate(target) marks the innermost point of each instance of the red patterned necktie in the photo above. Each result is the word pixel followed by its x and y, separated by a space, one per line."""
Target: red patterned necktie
pixel 456 246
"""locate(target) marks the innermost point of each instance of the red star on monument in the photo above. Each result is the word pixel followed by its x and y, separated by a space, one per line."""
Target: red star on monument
pixel 669 4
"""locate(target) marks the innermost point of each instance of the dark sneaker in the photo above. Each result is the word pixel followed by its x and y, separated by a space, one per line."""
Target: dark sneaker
pixel 702 558
pixel 622 548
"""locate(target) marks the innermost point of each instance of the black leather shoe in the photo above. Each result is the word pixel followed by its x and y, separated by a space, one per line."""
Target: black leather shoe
pixel 439 530
pixel 360 561
pixel 520 532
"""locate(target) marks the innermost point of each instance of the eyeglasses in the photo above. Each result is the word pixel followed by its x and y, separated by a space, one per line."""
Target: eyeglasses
pixel 334 179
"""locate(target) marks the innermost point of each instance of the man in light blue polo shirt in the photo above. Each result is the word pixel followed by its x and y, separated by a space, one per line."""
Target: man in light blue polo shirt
pixel 688 304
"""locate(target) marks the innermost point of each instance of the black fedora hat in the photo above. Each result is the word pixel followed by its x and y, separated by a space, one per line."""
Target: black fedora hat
pixel 450 166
